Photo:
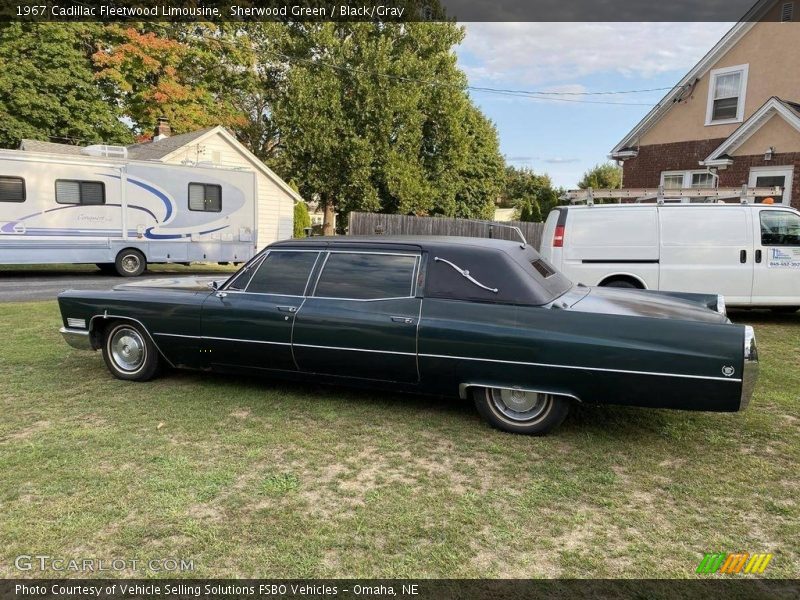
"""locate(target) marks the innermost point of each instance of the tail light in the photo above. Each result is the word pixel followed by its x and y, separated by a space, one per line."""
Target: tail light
pixel 558 237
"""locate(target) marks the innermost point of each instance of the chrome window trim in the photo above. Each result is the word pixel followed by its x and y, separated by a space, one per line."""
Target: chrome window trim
pixel 412 292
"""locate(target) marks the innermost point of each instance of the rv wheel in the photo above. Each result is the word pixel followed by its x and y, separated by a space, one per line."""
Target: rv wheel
pixel 130 263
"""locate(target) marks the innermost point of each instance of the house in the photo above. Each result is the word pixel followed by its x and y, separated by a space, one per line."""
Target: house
pixel 734 119
pixel 214 146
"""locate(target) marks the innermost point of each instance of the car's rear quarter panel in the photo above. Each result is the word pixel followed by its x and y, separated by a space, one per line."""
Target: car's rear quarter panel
pixel 674 364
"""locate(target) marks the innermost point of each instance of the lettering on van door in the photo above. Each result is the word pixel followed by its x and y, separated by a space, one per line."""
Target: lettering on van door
pixel 784 258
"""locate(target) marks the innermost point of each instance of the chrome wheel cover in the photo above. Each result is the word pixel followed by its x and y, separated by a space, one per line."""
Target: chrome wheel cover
pixel 127 349
pixel 131 263
pixel 519 405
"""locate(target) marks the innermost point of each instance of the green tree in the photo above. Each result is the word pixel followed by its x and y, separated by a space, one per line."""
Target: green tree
pixel 523 186
pixel 301 219
pixel 361 132
pixel 605 176
pixel 529 210
pixel 48 88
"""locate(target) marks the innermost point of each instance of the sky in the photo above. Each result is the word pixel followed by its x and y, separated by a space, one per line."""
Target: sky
pixel 565 138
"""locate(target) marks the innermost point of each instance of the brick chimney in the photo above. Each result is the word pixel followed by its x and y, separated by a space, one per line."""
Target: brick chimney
pixel 163 129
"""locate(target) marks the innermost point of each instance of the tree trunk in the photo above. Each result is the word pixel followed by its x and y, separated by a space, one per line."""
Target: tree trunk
pixel 329 216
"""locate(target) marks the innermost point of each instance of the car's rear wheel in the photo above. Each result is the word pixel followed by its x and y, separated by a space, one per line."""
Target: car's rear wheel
pixel 520 411
pixel 129 353
pixel 130 263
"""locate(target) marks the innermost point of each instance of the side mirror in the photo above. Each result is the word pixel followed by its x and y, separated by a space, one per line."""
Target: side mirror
pixel 214 285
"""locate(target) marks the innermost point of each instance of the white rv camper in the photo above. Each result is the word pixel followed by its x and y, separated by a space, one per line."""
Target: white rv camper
pixel 98 206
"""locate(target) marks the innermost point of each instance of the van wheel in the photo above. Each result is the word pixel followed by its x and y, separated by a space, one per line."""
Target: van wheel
pixel 130 263
pixel 128 352
pixel 518 411
pixel 621 283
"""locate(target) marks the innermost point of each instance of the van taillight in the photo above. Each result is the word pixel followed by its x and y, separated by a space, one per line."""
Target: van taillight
pixel 558 237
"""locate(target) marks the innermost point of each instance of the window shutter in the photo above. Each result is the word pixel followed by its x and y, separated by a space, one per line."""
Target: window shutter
pixel 213 198
pixel 197 196
pixel 92 192
pixel 12 189
pixel 787 12
pixel 68 192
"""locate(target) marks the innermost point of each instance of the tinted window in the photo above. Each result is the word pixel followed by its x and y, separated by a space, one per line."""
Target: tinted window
pixel 69 191
pixel 366 276
pixel 205 197
pixel 12 189
pixel 284 273
pixel 780 228
pixel 242 278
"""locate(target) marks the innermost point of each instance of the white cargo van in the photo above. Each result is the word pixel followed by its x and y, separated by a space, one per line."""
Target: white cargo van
pixel 749 253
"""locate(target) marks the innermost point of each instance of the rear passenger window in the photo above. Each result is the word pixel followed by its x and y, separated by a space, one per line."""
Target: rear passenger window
pixel 367 276
pixel 12 189
pixel 283 273
pixel 70 191
pixel 780 228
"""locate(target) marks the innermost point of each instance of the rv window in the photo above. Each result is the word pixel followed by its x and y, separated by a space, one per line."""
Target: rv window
pixel 205 197
pixel 80 192
pixel 12 189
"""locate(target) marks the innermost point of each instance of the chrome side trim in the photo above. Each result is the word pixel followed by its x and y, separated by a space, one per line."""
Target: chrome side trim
pixel 77 338
pixel 355 349
pixel 750 370
pixel 463 387
pixel 105 315
pixel 224 339
pixel 576 367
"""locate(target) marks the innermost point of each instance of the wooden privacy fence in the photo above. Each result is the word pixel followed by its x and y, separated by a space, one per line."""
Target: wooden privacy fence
pixel 380 224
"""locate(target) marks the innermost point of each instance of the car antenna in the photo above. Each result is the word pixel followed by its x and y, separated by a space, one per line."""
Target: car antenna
pixel 492 225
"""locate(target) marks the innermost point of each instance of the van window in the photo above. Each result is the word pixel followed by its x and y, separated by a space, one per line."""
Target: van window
pixel 367 276
pixel 205 197
pixel 70 191
pixel 780 228
pixel 283 273
pixel 12 189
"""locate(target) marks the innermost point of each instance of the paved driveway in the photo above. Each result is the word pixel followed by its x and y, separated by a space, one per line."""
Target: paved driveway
pixel 21 285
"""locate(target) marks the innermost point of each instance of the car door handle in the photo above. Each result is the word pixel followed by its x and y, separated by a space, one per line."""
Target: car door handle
pixel 405 320
pixel 758 256
pixel 289 309
pixel 743 256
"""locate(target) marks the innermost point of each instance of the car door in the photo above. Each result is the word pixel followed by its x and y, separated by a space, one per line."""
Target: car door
pixel 707 249
pixel 361 321
pixel 249 322
pixel 776 278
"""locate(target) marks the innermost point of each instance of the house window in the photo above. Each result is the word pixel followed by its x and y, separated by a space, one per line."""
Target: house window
pixel 726 95
pixel 70 191
pixel 205 197
pixel 12 189
pixel 675 180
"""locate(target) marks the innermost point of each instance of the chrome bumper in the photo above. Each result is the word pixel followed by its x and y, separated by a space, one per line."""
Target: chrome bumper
pixel 77 338
pixel 750 370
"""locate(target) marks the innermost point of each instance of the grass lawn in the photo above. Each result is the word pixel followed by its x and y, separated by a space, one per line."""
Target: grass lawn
pixel 258 478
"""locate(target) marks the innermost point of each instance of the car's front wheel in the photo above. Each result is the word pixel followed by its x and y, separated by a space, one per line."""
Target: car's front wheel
pixel 129 353
pixel 520 411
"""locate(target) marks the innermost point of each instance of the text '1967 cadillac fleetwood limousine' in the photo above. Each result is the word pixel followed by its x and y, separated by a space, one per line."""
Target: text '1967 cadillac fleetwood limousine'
pixel 485 318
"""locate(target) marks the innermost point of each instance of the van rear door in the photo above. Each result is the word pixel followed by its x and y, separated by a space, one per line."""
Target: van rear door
pixel 707 249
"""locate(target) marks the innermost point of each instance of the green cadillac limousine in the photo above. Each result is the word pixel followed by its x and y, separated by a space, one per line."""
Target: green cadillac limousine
pixel 482 318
